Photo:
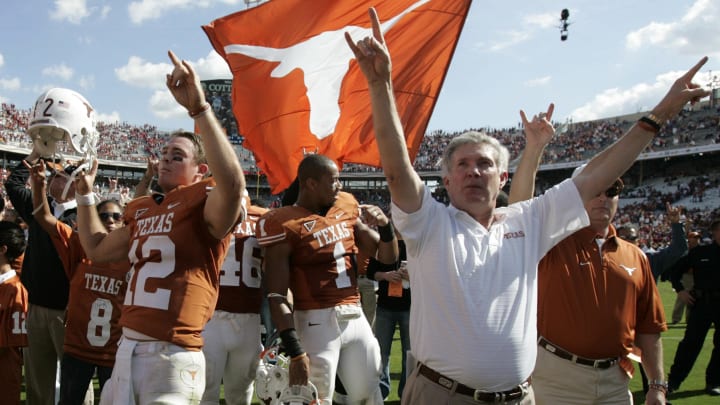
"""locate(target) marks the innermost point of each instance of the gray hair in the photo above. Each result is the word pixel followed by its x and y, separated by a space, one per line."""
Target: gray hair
pixel 502 155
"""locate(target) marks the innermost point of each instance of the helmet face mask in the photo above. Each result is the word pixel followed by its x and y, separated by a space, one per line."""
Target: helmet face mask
pixel 272 381
pixel 63 114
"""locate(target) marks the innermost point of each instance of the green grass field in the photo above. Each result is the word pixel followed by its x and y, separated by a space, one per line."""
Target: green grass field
pixel 692 391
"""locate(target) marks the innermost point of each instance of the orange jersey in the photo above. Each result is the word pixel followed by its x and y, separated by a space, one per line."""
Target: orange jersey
pixel 92 330
pixel 240 276
pixel 13 310
pixel 13 335
pixel 321 263
pixel 175 266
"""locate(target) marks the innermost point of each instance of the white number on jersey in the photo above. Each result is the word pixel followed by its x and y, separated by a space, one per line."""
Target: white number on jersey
pixel 136 294
pixel 342 280
pixel 100 315
pixel 246 261
pixel 19 323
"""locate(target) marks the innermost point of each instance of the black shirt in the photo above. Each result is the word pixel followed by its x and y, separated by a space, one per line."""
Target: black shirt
pixel 384 300
pixel 42 272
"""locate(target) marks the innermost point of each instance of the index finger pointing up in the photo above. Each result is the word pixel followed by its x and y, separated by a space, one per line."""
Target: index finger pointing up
pixel 377 32
pixel 174 59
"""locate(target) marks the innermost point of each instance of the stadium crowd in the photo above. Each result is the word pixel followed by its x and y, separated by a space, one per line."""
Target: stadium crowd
pixel 573 142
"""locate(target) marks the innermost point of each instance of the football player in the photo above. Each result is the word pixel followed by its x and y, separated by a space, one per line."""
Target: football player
pixel 232 336
pixel 310 248
pixel 176 242
pixel 13 310
pixel 96 294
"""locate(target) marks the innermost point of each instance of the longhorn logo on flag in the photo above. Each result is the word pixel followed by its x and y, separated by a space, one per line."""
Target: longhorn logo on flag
pixel 296 86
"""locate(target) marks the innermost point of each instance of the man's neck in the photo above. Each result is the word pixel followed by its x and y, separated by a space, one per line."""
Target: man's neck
pixel 5 267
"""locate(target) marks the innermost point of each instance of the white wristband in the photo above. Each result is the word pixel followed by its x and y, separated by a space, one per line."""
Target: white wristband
pixel 85 200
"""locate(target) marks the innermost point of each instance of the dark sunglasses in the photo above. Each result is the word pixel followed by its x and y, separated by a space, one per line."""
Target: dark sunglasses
pixel 104 216
pixel 614 190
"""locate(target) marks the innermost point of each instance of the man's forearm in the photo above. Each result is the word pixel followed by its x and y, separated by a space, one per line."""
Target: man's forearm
pixel 652 355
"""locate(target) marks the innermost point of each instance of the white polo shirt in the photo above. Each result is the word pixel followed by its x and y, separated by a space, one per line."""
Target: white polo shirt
pixel 473 316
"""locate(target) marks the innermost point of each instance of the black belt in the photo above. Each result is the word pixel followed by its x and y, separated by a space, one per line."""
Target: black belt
pixel 564 354
pixel 478 395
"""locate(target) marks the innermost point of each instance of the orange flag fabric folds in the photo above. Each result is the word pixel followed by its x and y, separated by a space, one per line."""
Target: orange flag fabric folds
pixel 297 88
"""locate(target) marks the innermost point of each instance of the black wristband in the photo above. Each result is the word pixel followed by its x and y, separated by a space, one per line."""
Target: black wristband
pixel 387 232
pixel 291 343
pixel 649 120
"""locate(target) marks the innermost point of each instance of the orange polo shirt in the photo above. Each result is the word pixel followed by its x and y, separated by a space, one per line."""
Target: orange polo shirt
pixel 591 302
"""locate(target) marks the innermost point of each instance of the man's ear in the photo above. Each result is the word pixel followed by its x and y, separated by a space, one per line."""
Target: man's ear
pixel 445 181
pixel 203 169
pixel 503 179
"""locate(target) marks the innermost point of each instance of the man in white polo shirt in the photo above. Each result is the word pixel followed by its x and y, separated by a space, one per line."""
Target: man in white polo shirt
pixel 473 324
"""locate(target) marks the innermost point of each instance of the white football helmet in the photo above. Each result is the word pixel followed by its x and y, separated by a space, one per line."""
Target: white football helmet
pixel 272 382
pixel 62 114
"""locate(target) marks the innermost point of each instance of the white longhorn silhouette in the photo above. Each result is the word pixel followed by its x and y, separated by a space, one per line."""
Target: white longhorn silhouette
pixel 324 60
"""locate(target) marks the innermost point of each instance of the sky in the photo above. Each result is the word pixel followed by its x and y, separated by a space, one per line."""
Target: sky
pixel 620 56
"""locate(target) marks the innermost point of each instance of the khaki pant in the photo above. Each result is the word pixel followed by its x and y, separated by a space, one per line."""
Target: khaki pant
pixel 46 335
pixel 560 382
pixel 421 391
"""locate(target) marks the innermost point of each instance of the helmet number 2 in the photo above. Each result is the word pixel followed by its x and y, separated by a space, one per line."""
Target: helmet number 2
pixel 49 102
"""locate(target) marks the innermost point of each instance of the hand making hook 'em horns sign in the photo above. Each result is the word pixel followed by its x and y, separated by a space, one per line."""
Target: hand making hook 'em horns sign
pixel 371 53
pixel 540 130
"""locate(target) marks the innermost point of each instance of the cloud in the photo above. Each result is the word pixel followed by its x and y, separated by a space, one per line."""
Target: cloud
pixel 142 10
pixel 10 84
pixel 616 102
pixel 544 20
pixel 540 81
pixel 104 11
pixel 696 32
pixel 531 23
pixel 4 100
pixel 139 73
pixel 2 60
pixel 108 118
pixel 87 82
pixel 74 11
pixel 163 105
pixel 212 67
pixel 62 71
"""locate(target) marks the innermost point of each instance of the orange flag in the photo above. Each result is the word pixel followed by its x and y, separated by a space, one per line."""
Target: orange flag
pixel 297 88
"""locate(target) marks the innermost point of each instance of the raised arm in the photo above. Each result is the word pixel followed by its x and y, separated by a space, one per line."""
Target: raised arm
pixel 611 163
pixel 224 204
pixel 99 245
pixel 374 61
pixel 41 208
pixel 538 134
